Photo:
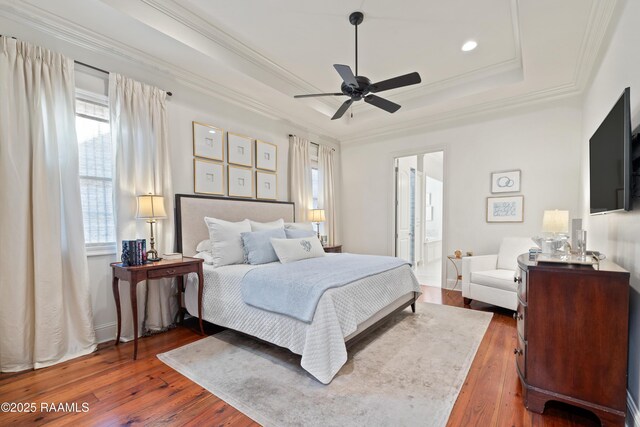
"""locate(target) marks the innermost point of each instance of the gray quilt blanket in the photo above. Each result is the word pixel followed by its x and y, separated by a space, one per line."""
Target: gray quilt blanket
pixel 294 289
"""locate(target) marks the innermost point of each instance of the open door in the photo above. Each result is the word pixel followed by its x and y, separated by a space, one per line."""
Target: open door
pixel 405 243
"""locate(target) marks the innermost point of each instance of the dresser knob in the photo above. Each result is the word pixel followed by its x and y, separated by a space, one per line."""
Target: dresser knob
pixel 517 351
pixel 517 280
pixel 170 271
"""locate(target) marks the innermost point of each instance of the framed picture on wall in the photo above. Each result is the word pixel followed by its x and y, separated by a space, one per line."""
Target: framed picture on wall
pixel 208 177
pixel 208 142
pixel 505 209
pixel 239 149
pixel 240 182
pixel 266 185
pixel 505 182
pixel 266 156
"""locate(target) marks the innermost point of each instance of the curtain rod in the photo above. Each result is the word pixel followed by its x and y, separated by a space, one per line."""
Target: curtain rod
pixel 311 142
pixel 102 71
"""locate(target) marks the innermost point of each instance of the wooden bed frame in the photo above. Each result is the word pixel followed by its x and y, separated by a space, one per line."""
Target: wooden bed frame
pixel 191 209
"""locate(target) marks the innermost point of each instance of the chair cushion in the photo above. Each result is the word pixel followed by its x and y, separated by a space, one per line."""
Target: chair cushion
pixel 510 248
pixel 499 279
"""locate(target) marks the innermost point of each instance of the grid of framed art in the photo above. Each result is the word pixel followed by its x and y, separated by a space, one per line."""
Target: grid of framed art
pixel 505 208
pixel 243 167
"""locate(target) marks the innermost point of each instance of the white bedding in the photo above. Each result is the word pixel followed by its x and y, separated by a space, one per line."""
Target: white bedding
pixel 322 342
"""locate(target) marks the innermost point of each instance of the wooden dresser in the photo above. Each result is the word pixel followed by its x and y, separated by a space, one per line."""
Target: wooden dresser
pixel 572 324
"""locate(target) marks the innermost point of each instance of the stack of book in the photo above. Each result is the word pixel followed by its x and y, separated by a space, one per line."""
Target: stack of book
pixel 134 252
pixel 533 253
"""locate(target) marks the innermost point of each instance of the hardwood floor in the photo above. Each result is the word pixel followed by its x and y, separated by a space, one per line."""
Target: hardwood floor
pixel 121 391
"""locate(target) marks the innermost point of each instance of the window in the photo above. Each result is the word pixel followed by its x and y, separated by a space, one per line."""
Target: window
pixel 315 187
pixel 96 162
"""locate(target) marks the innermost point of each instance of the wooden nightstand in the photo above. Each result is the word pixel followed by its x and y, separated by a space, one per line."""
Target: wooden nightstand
pixel 333 249
pixel 157 270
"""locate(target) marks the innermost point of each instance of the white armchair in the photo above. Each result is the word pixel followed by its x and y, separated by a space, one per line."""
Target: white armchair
pixel 489 278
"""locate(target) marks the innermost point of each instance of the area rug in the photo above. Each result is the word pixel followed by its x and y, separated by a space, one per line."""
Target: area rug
pixel 408 372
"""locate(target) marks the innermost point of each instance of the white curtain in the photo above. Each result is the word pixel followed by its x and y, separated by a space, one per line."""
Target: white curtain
pixel 140 140
pixel 45 309
pixel 300 177
pixel 327 199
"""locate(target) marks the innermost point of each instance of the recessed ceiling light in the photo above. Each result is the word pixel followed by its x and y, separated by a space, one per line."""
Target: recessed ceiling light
pixel 212 131
pixel 469 46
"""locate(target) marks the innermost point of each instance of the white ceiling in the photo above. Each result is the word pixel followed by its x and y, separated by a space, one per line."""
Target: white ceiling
pixel 261 53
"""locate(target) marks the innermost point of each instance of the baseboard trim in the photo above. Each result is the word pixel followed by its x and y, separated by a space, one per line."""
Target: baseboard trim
pixel 106 332
pixel 450 283
pixel 633 414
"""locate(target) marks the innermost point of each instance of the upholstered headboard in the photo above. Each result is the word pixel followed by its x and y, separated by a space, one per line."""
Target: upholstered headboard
pixel 191 210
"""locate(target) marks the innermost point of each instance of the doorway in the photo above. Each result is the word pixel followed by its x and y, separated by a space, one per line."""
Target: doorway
pixel 418 214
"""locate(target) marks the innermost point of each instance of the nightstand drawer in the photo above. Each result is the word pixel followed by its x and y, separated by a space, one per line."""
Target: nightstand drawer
pixel 521 317
pixel 171 271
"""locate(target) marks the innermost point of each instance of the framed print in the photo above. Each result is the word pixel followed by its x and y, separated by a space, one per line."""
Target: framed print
pixel 505 209
pixel 239 149
pixel 266 185
pixel 208 142
pixel 240 182
pixel 266 156
pixel 208 177
pixel 505 182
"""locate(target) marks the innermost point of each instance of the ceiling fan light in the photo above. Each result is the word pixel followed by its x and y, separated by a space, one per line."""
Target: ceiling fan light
pixel 469 46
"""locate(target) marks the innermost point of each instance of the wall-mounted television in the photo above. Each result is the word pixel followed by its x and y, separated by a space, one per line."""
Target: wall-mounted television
pixel 610 160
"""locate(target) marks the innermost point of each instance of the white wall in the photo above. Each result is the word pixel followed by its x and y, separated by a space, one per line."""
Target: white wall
pixel 617 234
pixel 543 141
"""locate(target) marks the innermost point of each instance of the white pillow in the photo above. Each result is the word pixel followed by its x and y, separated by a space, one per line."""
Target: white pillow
pixel 262 226
pixel 226 243
pixel 299 226
pixel 206 256
pixel 204 246
pixel 289 250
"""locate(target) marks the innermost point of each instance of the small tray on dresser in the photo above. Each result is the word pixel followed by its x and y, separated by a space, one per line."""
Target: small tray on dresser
pixel 570 259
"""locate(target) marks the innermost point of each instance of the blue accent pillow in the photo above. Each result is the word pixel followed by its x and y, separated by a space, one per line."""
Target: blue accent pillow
pixel 257 245
pixel 294 233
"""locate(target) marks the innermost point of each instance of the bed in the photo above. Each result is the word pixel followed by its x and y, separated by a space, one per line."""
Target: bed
pixel 342 316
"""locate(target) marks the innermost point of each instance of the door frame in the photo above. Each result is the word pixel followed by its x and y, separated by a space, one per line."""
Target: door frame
pixel 392 201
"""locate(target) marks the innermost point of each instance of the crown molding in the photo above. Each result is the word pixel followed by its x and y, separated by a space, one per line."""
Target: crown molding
pixel 598 29
pixel 187 17
pixel 471 76
pixel 77 35
pixel 427 122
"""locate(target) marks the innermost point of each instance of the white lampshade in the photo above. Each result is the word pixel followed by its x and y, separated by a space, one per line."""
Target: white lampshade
pixel 151 207
pixel 555 221
pixel 317 215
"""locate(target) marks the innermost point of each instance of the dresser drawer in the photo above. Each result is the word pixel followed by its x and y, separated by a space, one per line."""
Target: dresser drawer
pixel 521 283
pixel 170 271
pixel 521 356
pixel 521 317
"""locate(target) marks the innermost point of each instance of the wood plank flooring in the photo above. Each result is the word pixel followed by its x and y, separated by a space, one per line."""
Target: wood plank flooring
pixel 120 391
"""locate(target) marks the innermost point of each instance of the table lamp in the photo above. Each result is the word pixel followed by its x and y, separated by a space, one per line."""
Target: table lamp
pixel 317 216
pixel 555 226
pixel 151 208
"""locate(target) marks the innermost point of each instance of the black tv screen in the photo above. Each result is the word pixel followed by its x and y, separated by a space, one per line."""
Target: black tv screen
pixel 610 160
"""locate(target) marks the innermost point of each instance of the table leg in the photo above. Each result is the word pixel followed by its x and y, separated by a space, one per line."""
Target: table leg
pixel 179 319
pixel 116 296
pixel 133 286
pixel 200 291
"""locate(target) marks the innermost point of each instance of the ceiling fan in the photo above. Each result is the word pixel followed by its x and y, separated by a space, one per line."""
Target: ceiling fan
pixel 359 87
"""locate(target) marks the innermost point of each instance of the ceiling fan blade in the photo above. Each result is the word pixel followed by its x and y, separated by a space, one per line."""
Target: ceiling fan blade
pixel 343 108
pixel 318 94
pixel 385 104
pixel 396 82
pixel 346 74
